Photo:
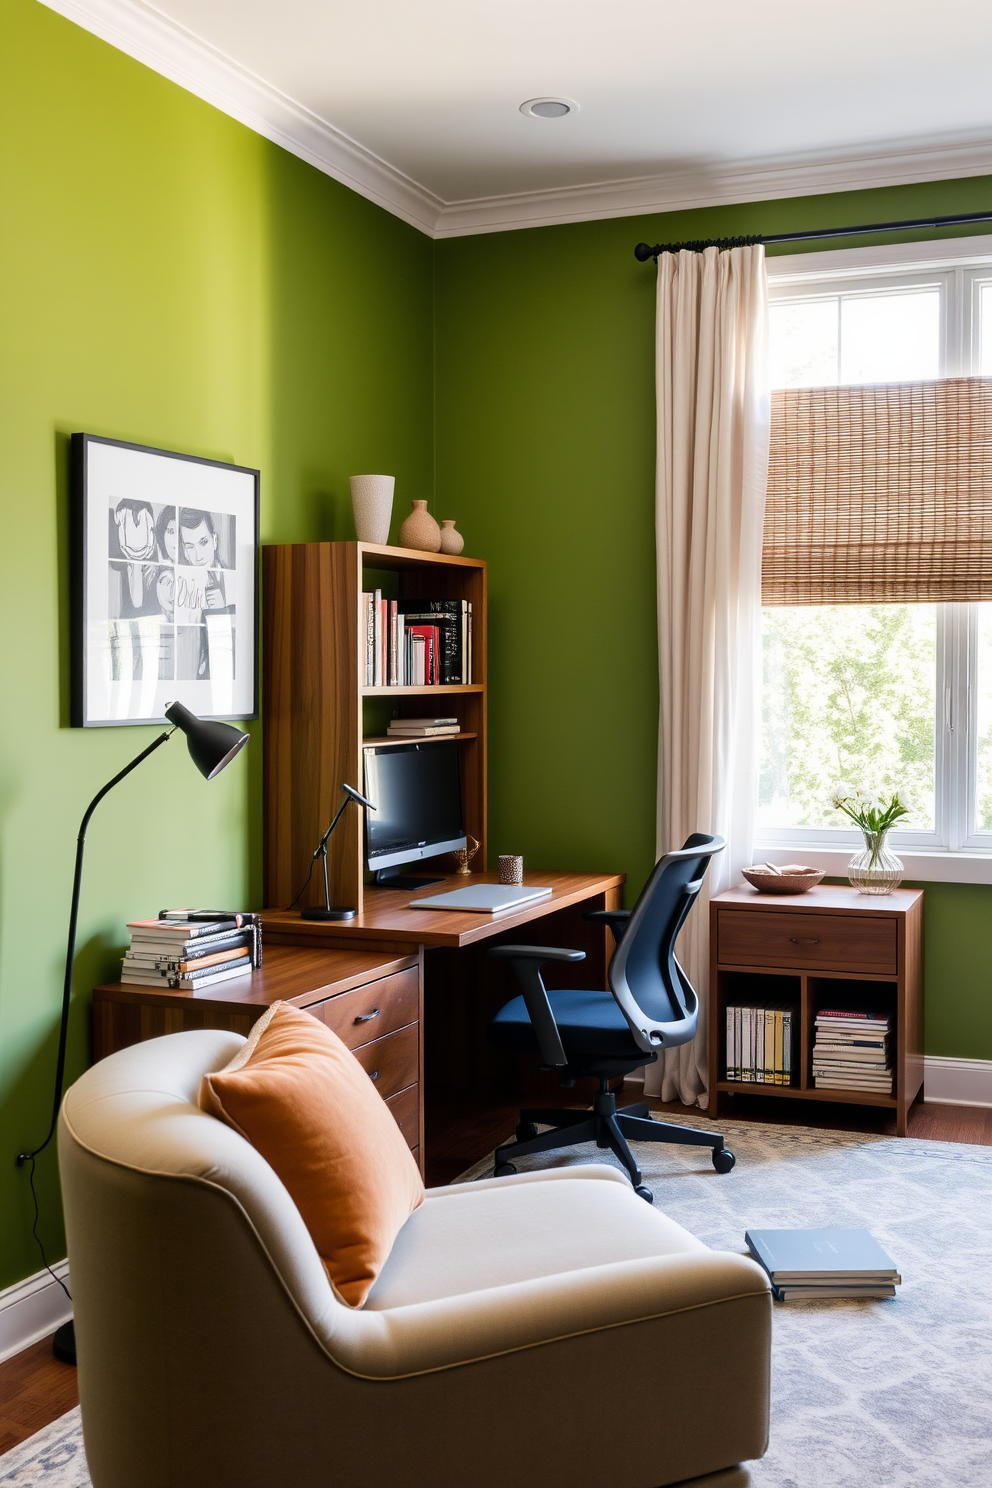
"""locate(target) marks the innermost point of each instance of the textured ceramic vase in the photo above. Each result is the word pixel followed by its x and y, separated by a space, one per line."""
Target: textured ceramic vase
pixel 372 503
pixel 420 530
pixel 875 870
pixel 451 541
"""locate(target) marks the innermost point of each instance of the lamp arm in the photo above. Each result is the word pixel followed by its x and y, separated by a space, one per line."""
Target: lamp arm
pixel 322 848
pixel 70 954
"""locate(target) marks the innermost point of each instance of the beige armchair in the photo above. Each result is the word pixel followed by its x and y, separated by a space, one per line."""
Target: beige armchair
pixel 545 1329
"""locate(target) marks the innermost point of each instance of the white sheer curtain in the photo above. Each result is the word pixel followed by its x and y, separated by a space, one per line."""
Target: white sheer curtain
pixel 712 469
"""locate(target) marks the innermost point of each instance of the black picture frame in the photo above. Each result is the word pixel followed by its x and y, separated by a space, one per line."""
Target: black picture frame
pixel 164 576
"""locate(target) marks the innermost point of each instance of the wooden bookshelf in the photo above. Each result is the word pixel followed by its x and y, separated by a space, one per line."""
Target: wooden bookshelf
pixel 830 946
pixel 318 715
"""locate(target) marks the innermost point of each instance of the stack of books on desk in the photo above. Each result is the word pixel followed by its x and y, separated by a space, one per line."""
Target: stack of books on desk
pixel 423 728
pixel 811 1265
pixel 186 954
pixel 759 1044
pixel 851 1051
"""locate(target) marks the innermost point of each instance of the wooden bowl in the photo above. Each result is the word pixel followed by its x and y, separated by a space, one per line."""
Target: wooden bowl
pixel 796 881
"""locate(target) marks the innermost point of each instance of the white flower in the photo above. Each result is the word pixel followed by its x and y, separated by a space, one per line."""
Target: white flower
pixel 904 799
pixel 842 792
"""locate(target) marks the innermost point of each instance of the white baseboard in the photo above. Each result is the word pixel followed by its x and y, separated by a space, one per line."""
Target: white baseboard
pixel 957 1082
pixel 31 1309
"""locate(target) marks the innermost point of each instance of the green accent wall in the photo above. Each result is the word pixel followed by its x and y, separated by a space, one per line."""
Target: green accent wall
pixel 168 277
pixel 545 451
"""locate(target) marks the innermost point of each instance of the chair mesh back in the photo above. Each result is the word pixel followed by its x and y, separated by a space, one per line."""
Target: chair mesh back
pixel 651 988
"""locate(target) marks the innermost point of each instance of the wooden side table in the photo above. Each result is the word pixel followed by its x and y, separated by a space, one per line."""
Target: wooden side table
pixel 830 946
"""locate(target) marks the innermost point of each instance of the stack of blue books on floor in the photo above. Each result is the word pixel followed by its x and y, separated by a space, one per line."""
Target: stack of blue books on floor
pixel 806 1265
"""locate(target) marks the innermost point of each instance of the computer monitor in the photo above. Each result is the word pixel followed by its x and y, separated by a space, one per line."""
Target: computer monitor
pixel 417 793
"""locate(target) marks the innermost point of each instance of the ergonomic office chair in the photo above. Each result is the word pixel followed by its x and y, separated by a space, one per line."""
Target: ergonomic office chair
pixel 651 1005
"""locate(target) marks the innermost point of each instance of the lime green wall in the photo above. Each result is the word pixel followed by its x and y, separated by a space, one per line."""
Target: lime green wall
pixel 166 276
pixel 545 448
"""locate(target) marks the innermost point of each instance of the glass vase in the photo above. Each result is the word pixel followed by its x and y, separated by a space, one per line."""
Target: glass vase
pixel 875 870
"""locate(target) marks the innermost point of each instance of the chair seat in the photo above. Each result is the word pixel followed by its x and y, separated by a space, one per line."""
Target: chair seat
pixel 472 1237
pixel 590 1024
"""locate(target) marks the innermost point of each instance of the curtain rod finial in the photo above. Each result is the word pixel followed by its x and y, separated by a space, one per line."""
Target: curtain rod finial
pixel 643 252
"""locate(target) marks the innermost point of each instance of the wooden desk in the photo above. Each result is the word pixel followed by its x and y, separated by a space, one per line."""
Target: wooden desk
pixel 463 985
pixel 371 1001
pixel 830 946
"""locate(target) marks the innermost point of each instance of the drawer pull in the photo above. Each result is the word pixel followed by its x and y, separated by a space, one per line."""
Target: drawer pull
pixel 804 940
pixel 373 1074
pixel 367 1017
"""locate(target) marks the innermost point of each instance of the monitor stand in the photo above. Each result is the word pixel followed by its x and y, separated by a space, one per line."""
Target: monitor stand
pixel 390 878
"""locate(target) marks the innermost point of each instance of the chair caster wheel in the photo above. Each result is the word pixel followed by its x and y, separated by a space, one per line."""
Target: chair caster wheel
pixel 644 1193
pixel 526 1131
pixel 504 1170
pixel 723 1160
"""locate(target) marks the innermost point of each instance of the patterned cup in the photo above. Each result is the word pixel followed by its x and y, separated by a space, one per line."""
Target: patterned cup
pixel 511 869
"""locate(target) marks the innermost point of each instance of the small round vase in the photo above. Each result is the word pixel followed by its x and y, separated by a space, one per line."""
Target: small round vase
pixel 875 870
pixel 372 504
pixel 451 541
pixel 420 530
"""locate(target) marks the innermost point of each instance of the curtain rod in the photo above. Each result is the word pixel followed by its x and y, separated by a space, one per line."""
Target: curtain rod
pixel 644 251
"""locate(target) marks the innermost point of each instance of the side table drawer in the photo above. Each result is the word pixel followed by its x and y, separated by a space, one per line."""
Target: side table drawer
pixel 816 942
pixel 406 1112
pixel 372 1011
pixel 392 1062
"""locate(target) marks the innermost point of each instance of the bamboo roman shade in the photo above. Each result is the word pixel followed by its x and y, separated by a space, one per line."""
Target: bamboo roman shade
pixel 880 493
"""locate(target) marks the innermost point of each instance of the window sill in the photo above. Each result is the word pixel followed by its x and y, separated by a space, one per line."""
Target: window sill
pixel 922 866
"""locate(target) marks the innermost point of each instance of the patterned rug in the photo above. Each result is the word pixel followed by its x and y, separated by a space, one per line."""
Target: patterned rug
pixel 864 1394
pixel 53 1457
pixel 868 1394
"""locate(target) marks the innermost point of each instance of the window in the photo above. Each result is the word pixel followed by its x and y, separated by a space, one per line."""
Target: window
pixel 886 695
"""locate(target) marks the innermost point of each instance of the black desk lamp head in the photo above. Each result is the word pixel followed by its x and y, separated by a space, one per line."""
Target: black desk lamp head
pixel 327 910
pixel 212 746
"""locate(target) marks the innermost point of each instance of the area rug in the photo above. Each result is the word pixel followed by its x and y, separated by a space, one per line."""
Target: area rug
pixel 53 1457
pixel 869 1394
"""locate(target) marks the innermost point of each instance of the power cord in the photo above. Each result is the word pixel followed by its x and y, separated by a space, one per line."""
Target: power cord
pixel 29 1159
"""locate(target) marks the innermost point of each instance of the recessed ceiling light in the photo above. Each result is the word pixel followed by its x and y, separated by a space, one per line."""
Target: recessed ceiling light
pixel 549 108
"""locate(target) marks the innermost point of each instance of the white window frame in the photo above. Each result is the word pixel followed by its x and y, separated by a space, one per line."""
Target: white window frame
pixel 955 851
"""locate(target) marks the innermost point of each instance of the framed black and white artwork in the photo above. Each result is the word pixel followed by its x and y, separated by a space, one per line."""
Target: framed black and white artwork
pixel 165 584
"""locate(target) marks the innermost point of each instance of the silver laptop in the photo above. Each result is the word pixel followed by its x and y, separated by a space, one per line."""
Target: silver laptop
pixel 484 898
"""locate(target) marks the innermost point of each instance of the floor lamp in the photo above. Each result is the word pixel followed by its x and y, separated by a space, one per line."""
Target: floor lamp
pixel 212 746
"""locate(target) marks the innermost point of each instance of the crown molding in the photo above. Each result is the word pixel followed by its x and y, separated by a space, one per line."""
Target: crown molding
pixel 148 36
pixel 711 186
pixel 137 28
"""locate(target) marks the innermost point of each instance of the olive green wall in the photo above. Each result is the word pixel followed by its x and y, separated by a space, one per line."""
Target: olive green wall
pixel 169 277
pixel 545 449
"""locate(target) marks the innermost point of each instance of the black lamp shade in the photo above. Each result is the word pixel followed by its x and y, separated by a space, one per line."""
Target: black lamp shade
pixel 211 745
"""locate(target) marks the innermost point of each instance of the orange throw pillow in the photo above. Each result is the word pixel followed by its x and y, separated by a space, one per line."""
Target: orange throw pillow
pixel 302 1100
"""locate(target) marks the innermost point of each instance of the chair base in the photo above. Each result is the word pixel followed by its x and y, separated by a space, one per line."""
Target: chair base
pixel 609 1128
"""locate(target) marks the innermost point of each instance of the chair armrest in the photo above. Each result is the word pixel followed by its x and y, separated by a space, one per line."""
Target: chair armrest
pixel 526 962
pixel 617 919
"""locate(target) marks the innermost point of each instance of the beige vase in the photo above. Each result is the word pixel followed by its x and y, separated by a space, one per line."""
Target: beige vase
pixel 420 530
pixel 451 541
pixel 372 504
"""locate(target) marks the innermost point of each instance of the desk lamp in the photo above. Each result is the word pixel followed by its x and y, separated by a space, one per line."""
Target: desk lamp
pixel 327 911
pixel 212 746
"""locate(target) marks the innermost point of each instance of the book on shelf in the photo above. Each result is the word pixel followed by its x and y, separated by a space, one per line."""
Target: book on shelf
pixel 852 1050
pixel 187 949
pixel 427 731
pixel 416 643
pixel 809 1264
pixel 760 1043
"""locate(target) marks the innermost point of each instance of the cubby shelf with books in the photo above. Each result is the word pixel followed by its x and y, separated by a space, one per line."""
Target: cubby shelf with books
pixel 320 712
pixel 831 950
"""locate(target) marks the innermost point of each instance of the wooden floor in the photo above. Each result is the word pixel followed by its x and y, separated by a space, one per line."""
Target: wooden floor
pixel 35 1388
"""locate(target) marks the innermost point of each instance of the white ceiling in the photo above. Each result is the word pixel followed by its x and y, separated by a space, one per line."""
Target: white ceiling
pixel 418 104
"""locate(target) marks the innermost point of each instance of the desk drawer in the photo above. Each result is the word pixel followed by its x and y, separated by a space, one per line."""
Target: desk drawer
pixel 865 943
pixel 392 1062
pixel 406 1111
pixel 373 1011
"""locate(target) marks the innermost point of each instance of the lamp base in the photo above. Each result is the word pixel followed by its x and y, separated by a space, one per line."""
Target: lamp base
pixel 318 912
pixel 64 1343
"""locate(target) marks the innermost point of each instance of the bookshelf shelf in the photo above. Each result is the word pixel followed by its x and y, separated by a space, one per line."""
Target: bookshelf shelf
pixel 319 716
pixel 830 946
pixel 415 739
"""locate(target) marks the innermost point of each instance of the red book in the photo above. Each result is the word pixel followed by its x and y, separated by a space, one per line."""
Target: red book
pixel 431 638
